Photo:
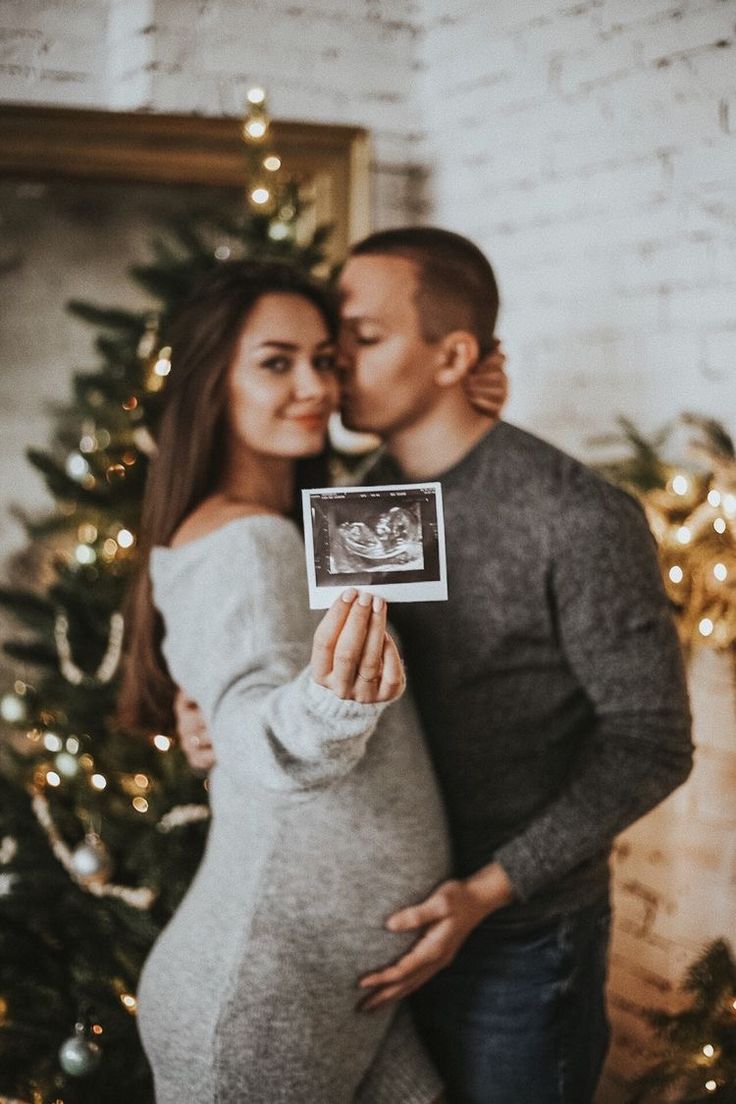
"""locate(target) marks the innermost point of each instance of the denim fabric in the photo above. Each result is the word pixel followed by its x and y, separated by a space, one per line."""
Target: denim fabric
pixel 521 1019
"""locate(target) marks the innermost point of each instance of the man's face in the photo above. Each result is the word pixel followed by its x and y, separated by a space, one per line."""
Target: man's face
pixel 389 379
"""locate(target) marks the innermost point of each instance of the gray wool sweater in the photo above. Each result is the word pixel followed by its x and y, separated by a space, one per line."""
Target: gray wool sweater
pixel 326 818
pixel 551 684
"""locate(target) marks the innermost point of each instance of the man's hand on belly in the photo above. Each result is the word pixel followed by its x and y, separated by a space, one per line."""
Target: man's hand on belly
pixel 448 916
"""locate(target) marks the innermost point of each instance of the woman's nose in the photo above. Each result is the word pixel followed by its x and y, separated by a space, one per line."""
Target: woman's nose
pixel 311 384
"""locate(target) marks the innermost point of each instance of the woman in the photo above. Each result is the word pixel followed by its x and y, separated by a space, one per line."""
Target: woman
pixel 325 812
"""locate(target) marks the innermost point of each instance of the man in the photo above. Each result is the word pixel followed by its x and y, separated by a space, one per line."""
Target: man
pixel 550 686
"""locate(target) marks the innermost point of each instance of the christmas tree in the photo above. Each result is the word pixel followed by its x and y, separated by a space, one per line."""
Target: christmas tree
pixel 698 1043
pixel 101 829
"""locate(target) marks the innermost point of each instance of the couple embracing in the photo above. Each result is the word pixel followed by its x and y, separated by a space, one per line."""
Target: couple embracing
pixel 404 895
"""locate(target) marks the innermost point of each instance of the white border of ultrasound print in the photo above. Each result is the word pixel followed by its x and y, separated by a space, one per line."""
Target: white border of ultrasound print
pixel 435 591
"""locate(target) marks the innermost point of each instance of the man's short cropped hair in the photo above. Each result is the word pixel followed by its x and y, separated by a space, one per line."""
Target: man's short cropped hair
pixel 457 289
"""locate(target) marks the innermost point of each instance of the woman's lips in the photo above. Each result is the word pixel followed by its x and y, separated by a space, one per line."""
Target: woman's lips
pixel 310 421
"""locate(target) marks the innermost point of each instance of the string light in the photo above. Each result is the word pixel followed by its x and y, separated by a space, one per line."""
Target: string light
pixel 680 485
pixel 714 498
pixel 88 443
pixel 12 709
pixel 162 367
pixel 683 535
pixel 143 781
pixel 711 1086
pixel 67 764
pixel 52 742
pixel 87 533
pixel 260 196
pixel 719 525
pixel 125 538
pixel 676 574
pixel 278 231
pixel 272 163
pixel 84 554
pixel 729 504
pixel 255 128
pixel 128 1001
pixel 72 745
pixel 163 743
pixel 140 804
pixel 706 627
pixel 709 1050
pixel 98 781
pixel 721 572
pixel 76 466
pixel 52 778
pixel 256 95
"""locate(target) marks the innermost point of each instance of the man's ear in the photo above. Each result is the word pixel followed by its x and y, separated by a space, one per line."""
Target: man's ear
pixel 457 354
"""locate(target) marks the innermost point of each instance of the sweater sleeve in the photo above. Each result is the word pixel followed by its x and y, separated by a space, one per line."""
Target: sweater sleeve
pixel 617 632
pixel 238 636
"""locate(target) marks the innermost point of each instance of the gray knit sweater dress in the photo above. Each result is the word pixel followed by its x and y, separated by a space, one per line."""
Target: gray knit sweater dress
pixel 325 819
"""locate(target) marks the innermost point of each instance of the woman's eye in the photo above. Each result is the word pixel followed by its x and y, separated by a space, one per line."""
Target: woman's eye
pixel 278 364
pixel 326 363
pixel 361 340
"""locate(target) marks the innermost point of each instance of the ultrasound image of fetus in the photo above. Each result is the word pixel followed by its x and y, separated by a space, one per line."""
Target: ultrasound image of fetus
pixel 390 542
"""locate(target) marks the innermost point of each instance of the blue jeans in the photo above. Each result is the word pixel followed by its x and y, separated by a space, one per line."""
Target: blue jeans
pixel 521 1019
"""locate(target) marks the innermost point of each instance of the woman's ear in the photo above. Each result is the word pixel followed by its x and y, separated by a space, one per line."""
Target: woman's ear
pixel 457 354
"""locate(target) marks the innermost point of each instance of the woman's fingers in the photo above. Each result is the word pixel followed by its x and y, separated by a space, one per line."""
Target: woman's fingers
pixel 393 679
pixel 370 665
pixel 327 634
pixel 349 646
pixel 353 655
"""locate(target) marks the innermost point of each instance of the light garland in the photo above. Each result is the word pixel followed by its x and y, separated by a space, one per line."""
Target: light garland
pixel 110 661
pixel 182 815
pixel 141 898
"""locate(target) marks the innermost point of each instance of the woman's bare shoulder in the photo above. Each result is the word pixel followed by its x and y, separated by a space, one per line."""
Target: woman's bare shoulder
pixel 213 513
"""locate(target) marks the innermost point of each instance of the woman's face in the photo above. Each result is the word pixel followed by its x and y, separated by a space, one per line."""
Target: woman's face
pixel 282 382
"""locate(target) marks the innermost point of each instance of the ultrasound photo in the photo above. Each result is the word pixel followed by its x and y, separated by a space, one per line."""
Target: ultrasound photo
pixel 387 540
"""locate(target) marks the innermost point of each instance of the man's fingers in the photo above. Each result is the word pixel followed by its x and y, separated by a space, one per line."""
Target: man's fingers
pixel 417 916
pixel 392 674
pixel 388 993
pixel 394 992
pixel 426 954
pixel 328 632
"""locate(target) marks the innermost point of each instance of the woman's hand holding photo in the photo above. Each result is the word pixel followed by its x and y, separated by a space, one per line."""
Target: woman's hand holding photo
pixel 353 654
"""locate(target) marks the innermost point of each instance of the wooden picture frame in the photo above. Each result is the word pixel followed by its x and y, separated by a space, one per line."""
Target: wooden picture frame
pixel 43 143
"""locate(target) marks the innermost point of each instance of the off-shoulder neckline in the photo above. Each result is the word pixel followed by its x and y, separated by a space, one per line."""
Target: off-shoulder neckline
pixel 198 542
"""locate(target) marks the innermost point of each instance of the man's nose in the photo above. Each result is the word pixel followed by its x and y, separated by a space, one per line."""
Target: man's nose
pixel 344 362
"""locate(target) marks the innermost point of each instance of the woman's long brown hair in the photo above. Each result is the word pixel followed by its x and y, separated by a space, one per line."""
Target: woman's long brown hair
pixel 190 452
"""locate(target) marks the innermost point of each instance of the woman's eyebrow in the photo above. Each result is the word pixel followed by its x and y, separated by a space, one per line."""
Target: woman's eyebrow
pixel 289 346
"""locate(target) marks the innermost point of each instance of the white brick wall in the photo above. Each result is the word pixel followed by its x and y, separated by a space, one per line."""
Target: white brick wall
pixel 589 148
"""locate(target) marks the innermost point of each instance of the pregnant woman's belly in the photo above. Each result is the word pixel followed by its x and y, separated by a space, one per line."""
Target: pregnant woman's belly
pixel 258 969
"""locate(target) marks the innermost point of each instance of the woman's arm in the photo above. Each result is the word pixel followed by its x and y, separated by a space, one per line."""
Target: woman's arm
pixel 237 640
